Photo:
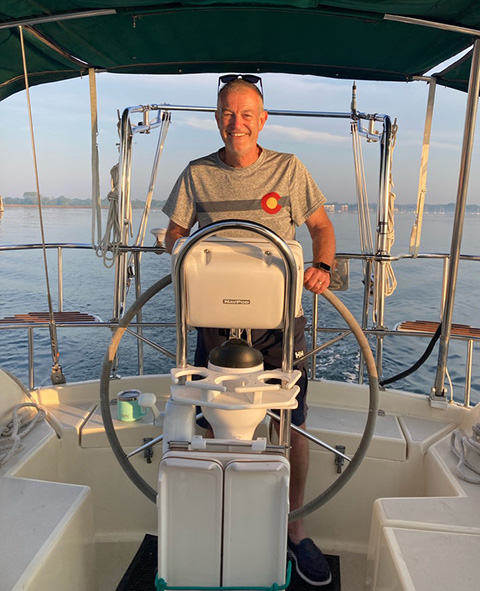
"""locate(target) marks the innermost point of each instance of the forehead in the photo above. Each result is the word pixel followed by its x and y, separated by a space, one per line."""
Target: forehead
pixel 240 98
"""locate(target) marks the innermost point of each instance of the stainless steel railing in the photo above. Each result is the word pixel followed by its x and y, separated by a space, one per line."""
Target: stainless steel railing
pixel 136 328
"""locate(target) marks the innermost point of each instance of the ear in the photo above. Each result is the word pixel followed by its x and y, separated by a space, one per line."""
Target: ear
pixel 263 119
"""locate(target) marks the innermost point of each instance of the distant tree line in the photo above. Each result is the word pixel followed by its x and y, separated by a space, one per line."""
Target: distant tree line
pixel 30 198
pixel 435 208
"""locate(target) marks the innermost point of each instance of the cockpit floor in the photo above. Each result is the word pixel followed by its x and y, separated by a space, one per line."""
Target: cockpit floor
pixel 140 575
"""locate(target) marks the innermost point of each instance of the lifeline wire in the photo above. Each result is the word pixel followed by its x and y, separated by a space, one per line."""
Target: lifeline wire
pixel 57 375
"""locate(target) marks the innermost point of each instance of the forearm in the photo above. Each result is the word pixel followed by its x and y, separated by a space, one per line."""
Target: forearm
pixel 323 246
pixel 174 232
pixel 322 233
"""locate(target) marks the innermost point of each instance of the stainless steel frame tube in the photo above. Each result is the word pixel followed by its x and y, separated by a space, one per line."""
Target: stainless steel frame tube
pixel 123 209
pixel 382 234
pixel 438 390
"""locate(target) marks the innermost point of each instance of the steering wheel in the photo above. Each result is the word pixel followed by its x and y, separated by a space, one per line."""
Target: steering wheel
pixel 323 497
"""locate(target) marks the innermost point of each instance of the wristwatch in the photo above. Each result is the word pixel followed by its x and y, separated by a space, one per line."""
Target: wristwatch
pixel 323 266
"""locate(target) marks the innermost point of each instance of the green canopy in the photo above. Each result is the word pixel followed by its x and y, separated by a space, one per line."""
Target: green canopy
pixel 457 75
pixel 337 38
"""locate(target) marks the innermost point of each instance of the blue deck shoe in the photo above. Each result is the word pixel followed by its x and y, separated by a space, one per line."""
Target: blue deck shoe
pixel 312 566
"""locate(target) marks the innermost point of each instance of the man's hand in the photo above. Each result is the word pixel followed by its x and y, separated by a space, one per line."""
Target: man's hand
pixel 316 280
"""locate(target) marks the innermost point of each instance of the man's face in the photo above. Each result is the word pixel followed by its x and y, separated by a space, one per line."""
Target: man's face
pixel 240 118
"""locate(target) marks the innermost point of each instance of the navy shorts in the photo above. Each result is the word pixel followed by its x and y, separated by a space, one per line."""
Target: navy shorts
pixel 269 343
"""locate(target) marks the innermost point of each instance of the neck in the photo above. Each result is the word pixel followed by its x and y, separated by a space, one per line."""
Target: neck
pixel 238 160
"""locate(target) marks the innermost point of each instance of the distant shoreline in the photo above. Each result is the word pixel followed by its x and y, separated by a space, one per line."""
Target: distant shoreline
pixel 31 205
pixel 336 212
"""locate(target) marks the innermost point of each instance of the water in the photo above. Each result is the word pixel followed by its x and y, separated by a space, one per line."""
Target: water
pixel 88 287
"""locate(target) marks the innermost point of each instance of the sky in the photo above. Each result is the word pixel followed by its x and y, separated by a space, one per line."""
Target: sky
pixel 61 118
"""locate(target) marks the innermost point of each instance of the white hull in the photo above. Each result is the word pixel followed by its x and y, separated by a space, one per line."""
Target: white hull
pixel 71 519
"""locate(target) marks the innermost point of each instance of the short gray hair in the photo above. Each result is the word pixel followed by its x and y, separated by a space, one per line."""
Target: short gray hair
pixel 239 84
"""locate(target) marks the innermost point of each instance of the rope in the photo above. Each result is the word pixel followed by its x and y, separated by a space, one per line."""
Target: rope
pixel 142 230
pixel 11 435
pixel 467 450
pixel 108 246
pixel 365 229
pixel 57 376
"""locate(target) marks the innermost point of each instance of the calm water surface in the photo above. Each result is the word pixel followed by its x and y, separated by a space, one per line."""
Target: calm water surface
pixel 88 287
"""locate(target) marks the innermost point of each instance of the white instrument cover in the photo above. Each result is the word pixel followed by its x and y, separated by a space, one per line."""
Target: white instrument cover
pixel 234 284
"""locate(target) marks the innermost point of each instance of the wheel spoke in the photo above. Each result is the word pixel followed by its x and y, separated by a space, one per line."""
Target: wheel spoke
pixel 145 446
pixel 307 435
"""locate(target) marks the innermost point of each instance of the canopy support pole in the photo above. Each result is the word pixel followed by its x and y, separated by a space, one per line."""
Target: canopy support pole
pixel 432 24
pixel 438 393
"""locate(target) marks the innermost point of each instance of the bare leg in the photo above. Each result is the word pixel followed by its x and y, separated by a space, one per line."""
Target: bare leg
pixel 299 454
pixel 311 564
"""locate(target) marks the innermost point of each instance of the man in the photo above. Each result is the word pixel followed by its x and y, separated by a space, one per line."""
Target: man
pixel 245 181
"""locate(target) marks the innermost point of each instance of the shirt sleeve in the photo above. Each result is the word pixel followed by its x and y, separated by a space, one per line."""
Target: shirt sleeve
pixel 180 206
pixel 306 197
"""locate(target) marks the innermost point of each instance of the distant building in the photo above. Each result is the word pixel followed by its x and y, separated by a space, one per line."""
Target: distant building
pixel 344 208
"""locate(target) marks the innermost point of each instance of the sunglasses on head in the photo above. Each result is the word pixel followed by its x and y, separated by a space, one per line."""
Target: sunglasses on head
pixel 251 78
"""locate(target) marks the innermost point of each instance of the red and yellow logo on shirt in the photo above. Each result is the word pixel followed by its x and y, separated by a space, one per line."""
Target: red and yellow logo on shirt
pixel 270 203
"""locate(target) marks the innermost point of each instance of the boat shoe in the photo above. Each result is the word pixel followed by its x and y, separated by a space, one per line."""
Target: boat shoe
pixel 312 566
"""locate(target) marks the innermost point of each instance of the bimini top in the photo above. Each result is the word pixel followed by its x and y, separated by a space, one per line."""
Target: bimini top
pixel 354 39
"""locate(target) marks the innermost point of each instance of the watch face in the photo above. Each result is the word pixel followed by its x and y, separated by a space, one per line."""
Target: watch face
pixel 323 266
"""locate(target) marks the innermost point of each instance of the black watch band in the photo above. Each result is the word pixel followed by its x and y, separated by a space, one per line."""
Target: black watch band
pixel 323 266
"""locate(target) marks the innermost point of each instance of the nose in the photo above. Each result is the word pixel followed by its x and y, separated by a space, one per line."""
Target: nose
pixel 234 121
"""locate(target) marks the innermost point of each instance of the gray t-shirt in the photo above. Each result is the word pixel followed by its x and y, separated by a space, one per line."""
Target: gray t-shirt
pixel 276 191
